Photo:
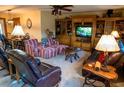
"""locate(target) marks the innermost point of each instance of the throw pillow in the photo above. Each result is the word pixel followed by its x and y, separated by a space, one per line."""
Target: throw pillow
pixel 38 62
pixel 101 57
pixel 44 42
pixel 121 45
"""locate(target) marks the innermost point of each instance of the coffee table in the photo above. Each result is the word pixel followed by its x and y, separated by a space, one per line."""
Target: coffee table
pixel 71 53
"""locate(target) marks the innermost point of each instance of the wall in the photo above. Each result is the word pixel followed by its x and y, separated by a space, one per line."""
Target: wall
pixel 47 21
pixel 35 16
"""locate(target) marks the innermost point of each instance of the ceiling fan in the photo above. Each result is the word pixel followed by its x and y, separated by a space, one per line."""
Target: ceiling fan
pixel 58 8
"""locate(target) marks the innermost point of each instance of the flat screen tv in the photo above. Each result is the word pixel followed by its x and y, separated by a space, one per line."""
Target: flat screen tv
pixel 83 31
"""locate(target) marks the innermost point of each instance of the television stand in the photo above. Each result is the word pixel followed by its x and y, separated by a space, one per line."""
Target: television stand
pixel 85 43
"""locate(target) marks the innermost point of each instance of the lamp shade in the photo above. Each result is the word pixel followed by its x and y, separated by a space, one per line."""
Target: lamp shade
pixel 18 31
pixel 107 43
pixel 115 34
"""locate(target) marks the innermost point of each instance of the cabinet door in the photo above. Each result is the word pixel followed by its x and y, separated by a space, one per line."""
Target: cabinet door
pixel 58 27
pixel 120 27
pixel 100 28
pixel 109 26
pixel 69 26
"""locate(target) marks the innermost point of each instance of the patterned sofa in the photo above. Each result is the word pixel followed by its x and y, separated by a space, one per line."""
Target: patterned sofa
pixel 36 49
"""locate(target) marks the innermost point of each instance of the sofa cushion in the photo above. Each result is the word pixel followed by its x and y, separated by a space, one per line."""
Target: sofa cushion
pixel 33 64
pixel 114 58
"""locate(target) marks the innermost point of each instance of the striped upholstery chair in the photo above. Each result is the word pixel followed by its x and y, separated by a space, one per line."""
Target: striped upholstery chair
pixel 31 47
pixel 55 44
pixel 35 49
pixel 52 42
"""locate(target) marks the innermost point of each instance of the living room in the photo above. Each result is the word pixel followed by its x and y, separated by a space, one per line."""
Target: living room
pixel 69 53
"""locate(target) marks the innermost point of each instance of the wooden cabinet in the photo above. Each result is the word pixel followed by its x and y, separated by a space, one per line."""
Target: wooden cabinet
pixel 60 28
pixel 85 43
pixel 69 37
pixel 99 26
pixel 120 27
pixel 64 30
pixel 107 25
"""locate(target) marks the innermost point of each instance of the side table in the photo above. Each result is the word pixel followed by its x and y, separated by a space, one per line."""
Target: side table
pixel 19 44
pixel 10 69
pixel 100 75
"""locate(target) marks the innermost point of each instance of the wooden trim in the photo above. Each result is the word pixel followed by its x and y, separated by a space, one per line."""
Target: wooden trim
pixel 84 16
pixel 111 18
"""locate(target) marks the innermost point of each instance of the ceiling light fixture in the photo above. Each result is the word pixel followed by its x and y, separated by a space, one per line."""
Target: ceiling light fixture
pixel 10 19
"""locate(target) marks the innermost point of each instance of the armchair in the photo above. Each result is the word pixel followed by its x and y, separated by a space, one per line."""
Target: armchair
pixel 55 44
pixel 34 48
pixel 34 72
pixel 52 49
pixel 31 47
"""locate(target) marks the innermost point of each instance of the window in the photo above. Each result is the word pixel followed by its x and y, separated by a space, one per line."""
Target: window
pixel 2 26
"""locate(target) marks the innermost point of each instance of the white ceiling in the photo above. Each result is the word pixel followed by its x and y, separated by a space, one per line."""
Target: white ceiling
pixel 75 8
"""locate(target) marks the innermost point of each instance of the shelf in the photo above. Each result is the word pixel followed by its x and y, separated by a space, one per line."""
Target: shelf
pixel 100 26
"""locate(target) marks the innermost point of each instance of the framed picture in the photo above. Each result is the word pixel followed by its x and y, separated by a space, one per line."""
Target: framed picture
pixel 29 23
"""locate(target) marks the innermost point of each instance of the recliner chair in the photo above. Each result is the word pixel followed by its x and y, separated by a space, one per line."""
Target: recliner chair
pixel 34 72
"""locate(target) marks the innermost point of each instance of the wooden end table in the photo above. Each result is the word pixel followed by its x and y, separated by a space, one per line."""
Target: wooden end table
pixel 106 76
pixel 10 69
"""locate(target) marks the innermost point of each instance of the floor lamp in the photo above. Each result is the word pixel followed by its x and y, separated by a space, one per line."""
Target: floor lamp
pixel 107 43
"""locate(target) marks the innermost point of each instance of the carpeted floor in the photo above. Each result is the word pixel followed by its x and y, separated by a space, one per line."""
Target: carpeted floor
pixel 71 72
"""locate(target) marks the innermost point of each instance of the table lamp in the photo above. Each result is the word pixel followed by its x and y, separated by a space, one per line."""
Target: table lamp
pixel 107 43
pixel 115 34
pixel 18 31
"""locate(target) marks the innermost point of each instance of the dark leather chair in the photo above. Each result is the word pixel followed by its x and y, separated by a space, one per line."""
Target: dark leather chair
pixel 3 59
pixel 34 72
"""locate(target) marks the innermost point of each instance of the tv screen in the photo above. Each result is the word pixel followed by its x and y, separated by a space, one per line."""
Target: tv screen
pixel 84 31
